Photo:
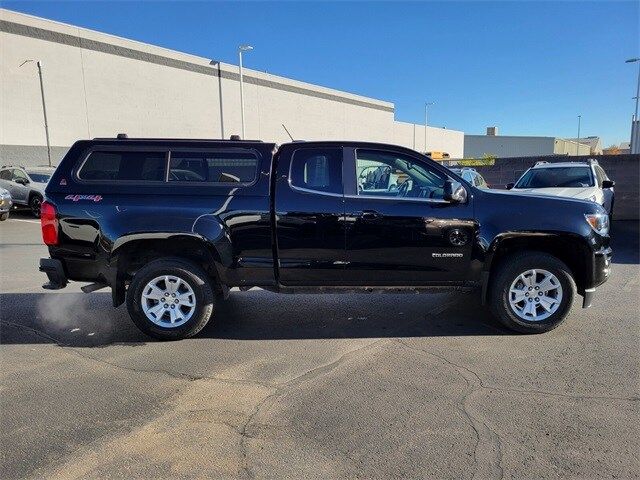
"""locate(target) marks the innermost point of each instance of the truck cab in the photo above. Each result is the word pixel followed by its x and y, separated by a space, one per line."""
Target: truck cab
pixel 171 225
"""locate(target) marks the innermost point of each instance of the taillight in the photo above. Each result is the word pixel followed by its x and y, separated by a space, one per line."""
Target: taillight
pixel 49 224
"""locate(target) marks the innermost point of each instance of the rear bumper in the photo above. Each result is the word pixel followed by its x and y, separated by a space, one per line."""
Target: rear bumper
pixel 55 274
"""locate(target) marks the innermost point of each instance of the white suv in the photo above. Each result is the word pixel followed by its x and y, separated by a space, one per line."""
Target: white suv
pixel 582 180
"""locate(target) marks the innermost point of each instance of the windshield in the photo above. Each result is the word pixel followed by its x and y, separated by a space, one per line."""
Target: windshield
pixel 39 177
pixel 556 177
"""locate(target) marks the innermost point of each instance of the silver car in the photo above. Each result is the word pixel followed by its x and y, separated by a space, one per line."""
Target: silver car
pixel 5 204
pixel 26 185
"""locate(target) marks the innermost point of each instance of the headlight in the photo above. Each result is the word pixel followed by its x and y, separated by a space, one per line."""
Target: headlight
pixel 599 222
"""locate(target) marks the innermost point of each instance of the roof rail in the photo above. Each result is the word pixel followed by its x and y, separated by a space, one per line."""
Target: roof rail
pixel 592 161
pixel 13 166
pixel 541 162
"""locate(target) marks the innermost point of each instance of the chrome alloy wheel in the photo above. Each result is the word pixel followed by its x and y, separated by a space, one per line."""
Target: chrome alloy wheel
pixel 168 301
pixel 535 295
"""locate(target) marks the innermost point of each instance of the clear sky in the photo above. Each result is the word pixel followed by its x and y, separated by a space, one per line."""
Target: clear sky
pixel 530 68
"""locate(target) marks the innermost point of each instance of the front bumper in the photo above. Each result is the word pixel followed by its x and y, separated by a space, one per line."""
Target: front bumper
pixel 55 274
pixel 601 271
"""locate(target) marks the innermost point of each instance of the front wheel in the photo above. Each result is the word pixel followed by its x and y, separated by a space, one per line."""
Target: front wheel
pixel 34 204
pixel 170 299
pixel 532 292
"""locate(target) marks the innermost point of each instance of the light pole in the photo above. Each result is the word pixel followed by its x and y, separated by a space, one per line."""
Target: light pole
pixel 242 48
pixel 426 118
pixel 578 139
pixel 44 106
pixel 636 60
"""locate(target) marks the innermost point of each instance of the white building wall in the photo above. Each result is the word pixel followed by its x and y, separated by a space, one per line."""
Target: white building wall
pixel 98 85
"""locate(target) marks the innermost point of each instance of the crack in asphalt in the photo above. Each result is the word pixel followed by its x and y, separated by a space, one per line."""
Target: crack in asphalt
pixel 287 387
pixel 487 453
pixel 173 374
pixel 489 445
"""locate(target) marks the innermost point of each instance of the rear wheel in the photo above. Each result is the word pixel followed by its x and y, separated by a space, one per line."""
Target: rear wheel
pixel 35 202
pixel 170 299
pixel 532 292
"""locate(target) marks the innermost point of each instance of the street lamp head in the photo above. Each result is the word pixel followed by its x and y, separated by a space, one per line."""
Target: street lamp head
pixel 632 60
pixel 245 48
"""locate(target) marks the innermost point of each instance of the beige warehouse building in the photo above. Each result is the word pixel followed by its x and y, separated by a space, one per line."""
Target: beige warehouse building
pixel 492 144
pixel 97 85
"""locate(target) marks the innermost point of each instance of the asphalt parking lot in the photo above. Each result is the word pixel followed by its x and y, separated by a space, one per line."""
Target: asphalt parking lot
pixel 315 386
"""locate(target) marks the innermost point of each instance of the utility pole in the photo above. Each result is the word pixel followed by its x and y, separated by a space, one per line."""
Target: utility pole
pixel 44 106
pixel 242 48
pixel 578 139
pixel 426 122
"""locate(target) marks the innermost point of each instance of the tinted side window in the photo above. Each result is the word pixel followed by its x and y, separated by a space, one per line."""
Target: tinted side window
pixel 215 167
pixel 125 165
pixel 317 169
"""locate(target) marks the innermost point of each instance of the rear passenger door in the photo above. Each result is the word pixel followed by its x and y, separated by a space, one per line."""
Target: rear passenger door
pixel 309 209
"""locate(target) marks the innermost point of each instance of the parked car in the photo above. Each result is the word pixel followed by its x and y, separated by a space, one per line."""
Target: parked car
pixel 471 176
pixel 296 219
pixel 26 185
pixel 583 180
pixel 5 204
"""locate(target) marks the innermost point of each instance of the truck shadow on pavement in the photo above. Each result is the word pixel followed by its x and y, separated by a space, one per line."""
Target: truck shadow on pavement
pixel 81 320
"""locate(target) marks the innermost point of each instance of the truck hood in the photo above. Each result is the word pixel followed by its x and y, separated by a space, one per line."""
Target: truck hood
pixel 571 192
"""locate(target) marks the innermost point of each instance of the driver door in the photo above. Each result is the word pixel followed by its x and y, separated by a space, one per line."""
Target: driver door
pixel 399 229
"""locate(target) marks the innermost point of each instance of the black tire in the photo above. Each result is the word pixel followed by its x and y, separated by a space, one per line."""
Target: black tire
pixel 509 270
pixel 190 273
pixel 34 204
pixel 4 216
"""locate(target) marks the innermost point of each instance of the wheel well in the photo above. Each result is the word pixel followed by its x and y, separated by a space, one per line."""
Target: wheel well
pixel 134 255
pixel 571 251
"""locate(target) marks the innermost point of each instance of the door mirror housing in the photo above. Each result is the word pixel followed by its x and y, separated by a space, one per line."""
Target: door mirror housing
pixel 608 184
pixel 454 192
pixel 509 186
pixel 21 181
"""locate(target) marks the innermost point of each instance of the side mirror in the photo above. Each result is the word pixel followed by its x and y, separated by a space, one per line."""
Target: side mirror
pixel 21 180
pixel 509 186
pixel 608 184
pixel 454 193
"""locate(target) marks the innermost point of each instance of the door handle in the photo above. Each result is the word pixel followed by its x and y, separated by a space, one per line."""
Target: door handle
pixel 370 215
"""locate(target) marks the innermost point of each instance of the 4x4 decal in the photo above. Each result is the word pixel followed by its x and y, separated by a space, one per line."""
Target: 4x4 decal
pixel 76 198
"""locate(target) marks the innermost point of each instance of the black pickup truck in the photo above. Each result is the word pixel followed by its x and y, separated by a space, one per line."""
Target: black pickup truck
pixel 171 225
